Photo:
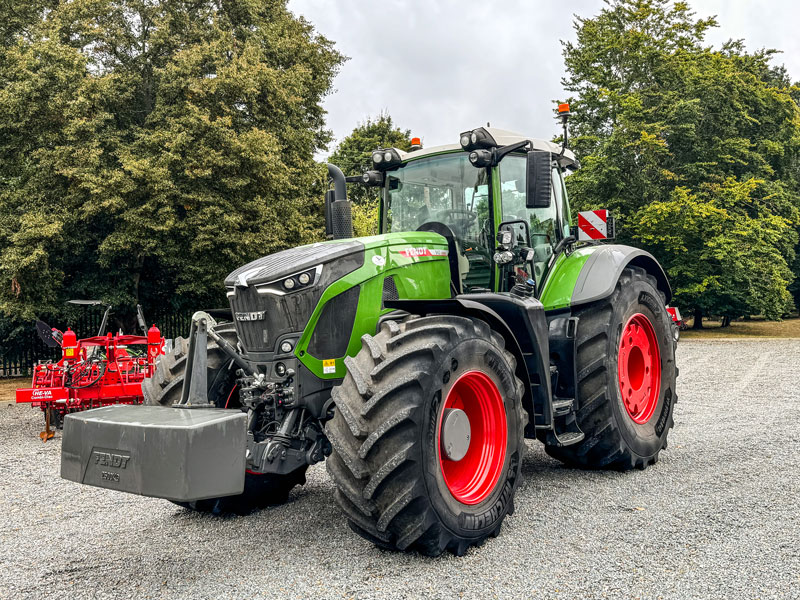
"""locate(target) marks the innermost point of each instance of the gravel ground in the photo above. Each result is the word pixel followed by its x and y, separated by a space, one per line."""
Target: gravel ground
pixel 717 517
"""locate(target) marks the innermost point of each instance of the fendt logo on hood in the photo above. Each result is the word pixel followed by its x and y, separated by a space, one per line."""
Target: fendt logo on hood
pixel 413 252
pixel 251 316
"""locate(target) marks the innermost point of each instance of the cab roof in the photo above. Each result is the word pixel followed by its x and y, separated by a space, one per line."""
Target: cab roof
pixel 503 137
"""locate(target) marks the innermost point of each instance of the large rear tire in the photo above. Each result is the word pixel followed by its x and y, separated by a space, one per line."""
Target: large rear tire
pixel 164 389
pixel 626 377
pixel 409 473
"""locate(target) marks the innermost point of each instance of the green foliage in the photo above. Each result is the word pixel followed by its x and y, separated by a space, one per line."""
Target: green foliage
pixel 353 157
pixel 148 147
pixel 695 149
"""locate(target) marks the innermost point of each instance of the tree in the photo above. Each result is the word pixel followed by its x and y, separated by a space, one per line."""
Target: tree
pixel 354 156
pixel 695 149
pixel 148 147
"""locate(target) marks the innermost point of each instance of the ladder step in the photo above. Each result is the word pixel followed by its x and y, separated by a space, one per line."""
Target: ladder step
pixel 571 437
pixel 562 406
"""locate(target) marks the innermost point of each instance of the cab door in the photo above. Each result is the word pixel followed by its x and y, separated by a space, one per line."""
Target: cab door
pixel 546 226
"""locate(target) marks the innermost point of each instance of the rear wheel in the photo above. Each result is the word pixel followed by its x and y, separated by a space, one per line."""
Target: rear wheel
pixel 164 388
pixel 428 435
pixel 626 377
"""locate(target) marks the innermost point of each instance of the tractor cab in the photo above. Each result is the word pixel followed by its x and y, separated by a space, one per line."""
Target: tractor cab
pixel 500 198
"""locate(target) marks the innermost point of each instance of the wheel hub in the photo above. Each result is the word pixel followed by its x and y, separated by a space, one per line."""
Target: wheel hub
pixel 455 433
pixel 639 368
pixel 472 437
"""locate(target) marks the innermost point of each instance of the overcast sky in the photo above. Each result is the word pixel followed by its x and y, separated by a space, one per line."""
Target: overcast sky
pixel 440 67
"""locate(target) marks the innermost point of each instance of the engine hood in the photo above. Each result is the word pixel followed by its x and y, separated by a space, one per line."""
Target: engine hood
pixel 281 264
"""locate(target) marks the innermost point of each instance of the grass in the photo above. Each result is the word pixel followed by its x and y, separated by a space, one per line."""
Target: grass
pixel 788 328
pixel 8 387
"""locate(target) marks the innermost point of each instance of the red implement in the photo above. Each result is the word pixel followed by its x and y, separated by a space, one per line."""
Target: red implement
pixel 91 373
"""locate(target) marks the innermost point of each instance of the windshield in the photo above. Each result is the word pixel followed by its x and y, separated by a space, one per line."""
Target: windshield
pixel 447 189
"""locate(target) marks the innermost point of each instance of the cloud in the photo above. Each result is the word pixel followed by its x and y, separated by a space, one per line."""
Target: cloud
pixel 441 67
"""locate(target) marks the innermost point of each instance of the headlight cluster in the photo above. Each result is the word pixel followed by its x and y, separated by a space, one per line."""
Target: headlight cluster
pixel 386 158
pixel 298 281
pixel 481 158
pixel 477 138
pixel 372 178
pixel 505 237
pixel 503 257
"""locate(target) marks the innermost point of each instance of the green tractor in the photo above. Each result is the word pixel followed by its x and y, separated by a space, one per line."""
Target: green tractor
pixel 415 362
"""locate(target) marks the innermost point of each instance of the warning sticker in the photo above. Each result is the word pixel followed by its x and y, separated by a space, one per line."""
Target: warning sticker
pixel 329 366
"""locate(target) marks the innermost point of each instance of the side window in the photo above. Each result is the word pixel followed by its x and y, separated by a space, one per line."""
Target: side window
pixel 542 222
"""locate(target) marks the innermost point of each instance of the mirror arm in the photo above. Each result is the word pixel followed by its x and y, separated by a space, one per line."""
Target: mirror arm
pixel 500 153
pixel 570 239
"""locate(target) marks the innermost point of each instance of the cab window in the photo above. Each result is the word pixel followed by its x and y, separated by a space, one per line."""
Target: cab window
pixel 544 224
pixel 449 190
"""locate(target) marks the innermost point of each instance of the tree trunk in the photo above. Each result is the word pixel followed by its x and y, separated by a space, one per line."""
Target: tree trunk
pixel 698 318
pixel 726 321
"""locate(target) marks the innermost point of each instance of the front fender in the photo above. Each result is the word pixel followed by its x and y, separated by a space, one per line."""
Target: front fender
pixel 522 323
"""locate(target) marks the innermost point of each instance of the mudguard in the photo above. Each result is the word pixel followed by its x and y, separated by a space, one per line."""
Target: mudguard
pixel 602 269
pixel 590 273
pixel 523 325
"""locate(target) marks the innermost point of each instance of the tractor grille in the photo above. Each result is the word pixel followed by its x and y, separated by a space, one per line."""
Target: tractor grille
pixel 281 315
pixel 335 325
pixel 389 290
pixel 264 318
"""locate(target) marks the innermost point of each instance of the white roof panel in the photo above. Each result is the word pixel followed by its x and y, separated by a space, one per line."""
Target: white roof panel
pixel 503 138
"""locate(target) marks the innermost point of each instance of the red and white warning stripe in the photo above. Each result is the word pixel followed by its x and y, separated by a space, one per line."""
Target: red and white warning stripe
pixel 593 225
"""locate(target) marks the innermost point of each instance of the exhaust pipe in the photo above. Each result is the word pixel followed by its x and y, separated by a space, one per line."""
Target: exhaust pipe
pixel 338 212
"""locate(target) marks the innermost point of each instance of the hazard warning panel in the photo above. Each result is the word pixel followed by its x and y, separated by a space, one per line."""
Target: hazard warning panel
pixel 595 225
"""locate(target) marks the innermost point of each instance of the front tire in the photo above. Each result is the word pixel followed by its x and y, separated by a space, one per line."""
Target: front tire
pixel 164 389
pixel 409 473
pixel 626 377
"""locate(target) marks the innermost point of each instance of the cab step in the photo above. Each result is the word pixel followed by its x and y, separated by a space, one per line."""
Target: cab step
pixel 565 430
pixel 562 407
pixel 569 438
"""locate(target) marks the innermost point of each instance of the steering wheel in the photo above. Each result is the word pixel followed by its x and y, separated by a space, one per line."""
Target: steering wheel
pixel 458 218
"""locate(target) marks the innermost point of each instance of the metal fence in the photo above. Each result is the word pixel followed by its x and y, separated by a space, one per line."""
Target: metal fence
pixel 17 359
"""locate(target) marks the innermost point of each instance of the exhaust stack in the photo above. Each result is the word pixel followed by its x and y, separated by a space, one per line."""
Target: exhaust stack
pixel 338 212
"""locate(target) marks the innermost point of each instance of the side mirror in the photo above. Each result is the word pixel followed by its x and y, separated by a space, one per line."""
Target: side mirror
pixel 539 179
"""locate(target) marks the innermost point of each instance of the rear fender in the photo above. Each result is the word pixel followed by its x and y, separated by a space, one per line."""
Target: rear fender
pixel 591 273
pixel 602 270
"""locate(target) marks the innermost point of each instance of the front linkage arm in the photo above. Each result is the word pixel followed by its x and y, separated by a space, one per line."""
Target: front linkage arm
pixel 195 385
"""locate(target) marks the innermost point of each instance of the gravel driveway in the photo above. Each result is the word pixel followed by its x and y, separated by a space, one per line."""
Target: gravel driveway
pixel 717 517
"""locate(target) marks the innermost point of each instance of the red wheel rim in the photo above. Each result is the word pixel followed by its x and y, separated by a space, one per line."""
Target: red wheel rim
pixel 639 368
pixel 471 479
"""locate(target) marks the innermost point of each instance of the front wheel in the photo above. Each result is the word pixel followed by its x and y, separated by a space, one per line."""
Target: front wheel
pixel 428 435
pixel 626 377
